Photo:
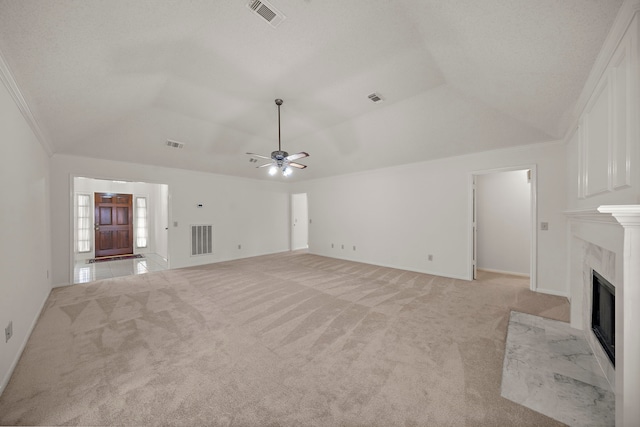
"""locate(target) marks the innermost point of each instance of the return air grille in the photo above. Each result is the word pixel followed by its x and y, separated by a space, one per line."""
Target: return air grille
pixel 375 97
pixel 267 12
pixel 174 144
pixel 201 239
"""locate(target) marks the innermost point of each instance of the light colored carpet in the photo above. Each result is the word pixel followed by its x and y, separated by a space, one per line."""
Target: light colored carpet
pixel 280 340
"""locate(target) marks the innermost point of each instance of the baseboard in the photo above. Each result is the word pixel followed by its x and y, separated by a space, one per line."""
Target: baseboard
pixel 7 377
pixel 511 273
pixel 397 267
pixel 245 256
pixel 553 292
pixel 61 285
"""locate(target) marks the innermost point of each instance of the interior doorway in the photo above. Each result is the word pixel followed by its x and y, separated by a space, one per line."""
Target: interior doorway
pixel 503 226
pixel 116 220
pixel 299 222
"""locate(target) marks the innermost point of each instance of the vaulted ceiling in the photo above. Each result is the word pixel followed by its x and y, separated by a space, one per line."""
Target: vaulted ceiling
pixel 116 79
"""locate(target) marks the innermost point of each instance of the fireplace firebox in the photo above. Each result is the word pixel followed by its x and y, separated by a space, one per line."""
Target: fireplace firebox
pixel 603 314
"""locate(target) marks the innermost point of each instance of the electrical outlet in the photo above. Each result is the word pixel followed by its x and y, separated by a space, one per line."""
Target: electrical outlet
pixel 332 246
pixel 430 257
pixel 175 223
pixel 354 247
pixel 239 246
pixel 342 246
pixel 8 331
pixel 544 226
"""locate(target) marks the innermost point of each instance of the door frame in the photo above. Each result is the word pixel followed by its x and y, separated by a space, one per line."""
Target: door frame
pixel 533 249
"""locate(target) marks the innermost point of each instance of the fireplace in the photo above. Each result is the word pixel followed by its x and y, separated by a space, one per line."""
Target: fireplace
pixel 603 314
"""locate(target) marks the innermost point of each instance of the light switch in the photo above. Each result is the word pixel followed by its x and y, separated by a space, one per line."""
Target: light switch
pixel 544 226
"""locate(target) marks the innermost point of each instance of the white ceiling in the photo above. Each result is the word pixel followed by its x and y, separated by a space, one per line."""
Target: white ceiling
pixel 115 79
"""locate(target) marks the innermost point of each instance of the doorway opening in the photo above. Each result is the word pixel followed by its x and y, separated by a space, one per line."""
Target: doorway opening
pixel 299 222
pixel 503 222
pixel 119 228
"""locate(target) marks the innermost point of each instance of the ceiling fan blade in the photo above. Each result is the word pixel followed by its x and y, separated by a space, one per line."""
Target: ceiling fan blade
pixel 259 156
pixel 265 165
pixel 297 165
pixel 297 156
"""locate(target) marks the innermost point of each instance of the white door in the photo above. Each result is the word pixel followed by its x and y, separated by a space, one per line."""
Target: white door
pixel 162 222
pixel 299 222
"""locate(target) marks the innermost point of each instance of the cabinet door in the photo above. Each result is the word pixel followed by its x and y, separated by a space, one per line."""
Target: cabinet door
pixel 595 136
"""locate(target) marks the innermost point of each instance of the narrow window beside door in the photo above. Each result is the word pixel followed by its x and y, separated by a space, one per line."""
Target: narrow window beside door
pixel 83 232
pixel 141 222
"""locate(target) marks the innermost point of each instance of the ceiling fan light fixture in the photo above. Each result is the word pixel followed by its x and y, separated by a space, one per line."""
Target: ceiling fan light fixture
pixel 280 160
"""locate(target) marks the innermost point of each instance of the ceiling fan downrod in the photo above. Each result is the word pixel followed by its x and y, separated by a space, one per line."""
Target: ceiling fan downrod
pixel 279 103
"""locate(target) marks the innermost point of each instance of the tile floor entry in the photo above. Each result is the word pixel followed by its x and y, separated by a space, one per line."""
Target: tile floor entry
pixel 83 272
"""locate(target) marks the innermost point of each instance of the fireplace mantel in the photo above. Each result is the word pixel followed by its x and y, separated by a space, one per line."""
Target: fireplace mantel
pixel 627 373
pixel 590 215
pixel 626 215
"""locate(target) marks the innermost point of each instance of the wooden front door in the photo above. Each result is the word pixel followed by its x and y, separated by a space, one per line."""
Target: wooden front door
pixel 114 224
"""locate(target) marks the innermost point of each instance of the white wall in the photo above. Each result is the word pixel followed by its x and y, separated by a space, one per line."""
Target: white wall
pixel 503 206
pixel 25 239
pixel 397 216
pixel 250 213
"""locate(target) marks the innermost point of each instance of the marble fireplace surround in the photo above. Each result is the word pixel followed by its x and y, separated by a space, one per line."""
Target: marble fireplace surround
pixel 607 239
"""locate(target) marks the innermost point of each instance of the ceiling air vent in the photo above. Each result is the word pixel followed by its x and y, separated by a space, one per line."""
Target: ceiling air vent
pixel 375 97
pixel 174 144
pixel 266 11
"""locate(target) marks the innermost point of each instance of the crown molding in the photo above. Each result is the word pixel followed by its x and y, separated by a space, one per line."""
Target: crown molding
pixel 10 83
pixel 624 18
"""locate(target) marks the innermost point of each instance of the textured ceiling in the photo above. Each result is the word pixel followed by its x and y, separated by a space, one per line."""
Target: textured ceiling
pixel 116 79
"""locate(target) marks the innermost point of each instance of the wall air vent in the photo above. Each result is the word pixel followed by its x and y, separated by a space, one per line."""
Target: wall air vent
pixel 375 98
pixel 174 144
pixel 266 11
pixel 201 239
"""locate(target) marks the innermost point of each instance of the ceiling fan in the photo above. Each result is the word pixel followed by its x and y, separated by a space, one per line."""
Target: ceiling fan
pixel 280 160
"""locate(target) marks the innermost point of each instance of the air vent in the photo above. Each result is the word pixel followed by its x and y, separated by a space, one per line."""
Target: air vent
pixel 375 97
pixel 174 144
pixel 266 11
pixel 201 239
